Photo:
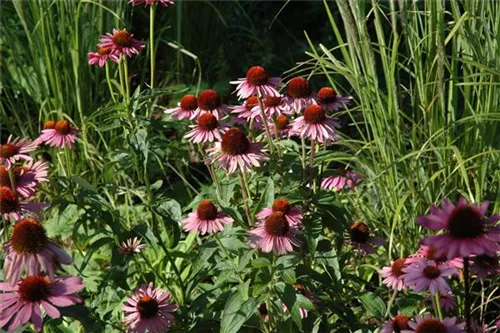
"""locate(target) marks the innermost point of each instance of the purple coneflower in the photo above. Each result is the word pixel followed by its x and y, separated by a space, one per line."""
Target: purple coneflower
pixel 26 177
pixel 131 245
pixel 282 125
pixel 187 108
pixel 426 253
pixel 210 101
pixel 360 238
pixel 343 180
pixel 291 213
pixel 206 219
pixel 428 275
pixel 299 94
pixel 247 111
pixel 397 325
pixel 207 129
pixel 484 266
pixel 315 125
pixel 15 150
pixel 60 135
pixel 273 106
pixel 428 324
pixel 276 234
pixel 149 309
pixel 235 151
pixel 21 303
pixel 257 82
pixel 393 275
pixel 101 56
pixel 468 231
pixel 329 99
pixel 30 249
pixel 10 206
pixel 121 42
pixel 446 301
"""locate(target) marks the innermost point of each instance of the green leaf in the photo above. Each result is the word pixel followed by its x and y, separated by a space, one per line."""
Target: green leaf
pixel 236 312
pixel 83 183
pixel 261 262
pixel 373 304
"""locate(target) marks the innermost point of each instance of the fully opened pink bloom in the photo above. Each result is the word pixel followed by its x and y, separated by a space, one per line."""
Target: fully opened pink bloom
pixel 247 110
pixel 429 324
pixel 276 234
pixel 484 266
pixel 281 126
pixel 30 249
pixel 361 239
pixel 428 275
pixel 207 129
pixel 210 101
pixel 396 325
pixel 21 303
pixel 149 309
pixel 26 177
pixel 299 94
pixel 15 150
pixel 393 275
pixel 329 99
pixel 187 108
pixel 343 180
pixel 257 82
pixel 426 253
pixel 315 125
pixel 291 212
pixel 446 301
pixel 206 219
pixel 121 42
pixel 131 245
pixel 10 206
pixel 466 230
pixel 235 151
pixel 273 106
pixel 61 135
pixel 101 56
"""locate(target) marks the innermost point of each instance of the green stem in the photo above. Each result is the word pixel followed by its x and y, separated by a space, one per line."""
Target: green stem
pixel 152 11
pixel 122 85
pixel 12 179
pixel 438 306
pixel 389 305
pixel 311 167
pixel 245 195
pixel 108 79
pixel 266 126
pixel 127 81
pixel 211 170
pixel 160 276
pixel 303 144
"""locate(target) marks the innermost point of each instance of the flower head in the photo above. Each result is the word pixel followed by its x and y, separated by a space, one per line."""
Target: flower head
pixel 290 212
pixel 21 303
pixel 236 151
pixel 360 238
pixel 61 135
pixel 428 275
pixel 275 233
pixel 101 56
pixel 131 245
pixel 187 108
pixel 329 99
pixel 427 324
pixel 393 275
pixel 257 82
pixel 207 129
pixel 149 309
pixel 299 94
pixel 467 230
pixel 426 253
pixel 446 301
pixel 10 206
pixel 273 106
pixel 315 125
pixel 282 126
pixel 484 266
pixel 15 150
pixel 121 42
pixel 210 101
pixel 26 177
pixel 206 219
pixel 343 180
pixel 30 249
pixel 247 111
pixel 397 325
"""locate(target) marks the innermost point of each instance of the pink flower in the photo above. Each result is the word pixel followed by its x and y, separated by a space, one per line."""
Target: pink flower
pixel 210 101
pixel 397 324
pixel 282 126
pixel 299 94
pixel 360 238
pixel 421 276
pixel 15 150
pixel 206 219
pixel 485 266
pixel 236 151
pixel 187 108
pixel 291 213
pixel 61 135
pixel 149 309
pixel 426 253
pixel 429 324
pixel 257 82
pixel 315 125
pixel 330 101
pixel 467 231
pixel 208 129
pixel 10 206
pixel 21 303
pixel 26 177
pixel 164 3
pixel 273 106
pixel 343 180
pixel 101 56
pixel 121 42
pixel 446 301
pixel 247 110
pixel 276 234
pixel 30 249
pixel 131 245
pixel 393 276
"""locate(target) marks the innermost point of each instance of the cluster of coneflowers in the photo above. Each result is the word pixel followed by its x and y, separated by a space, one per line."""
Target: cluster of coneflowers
pixel 31 259
pixel 468 245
